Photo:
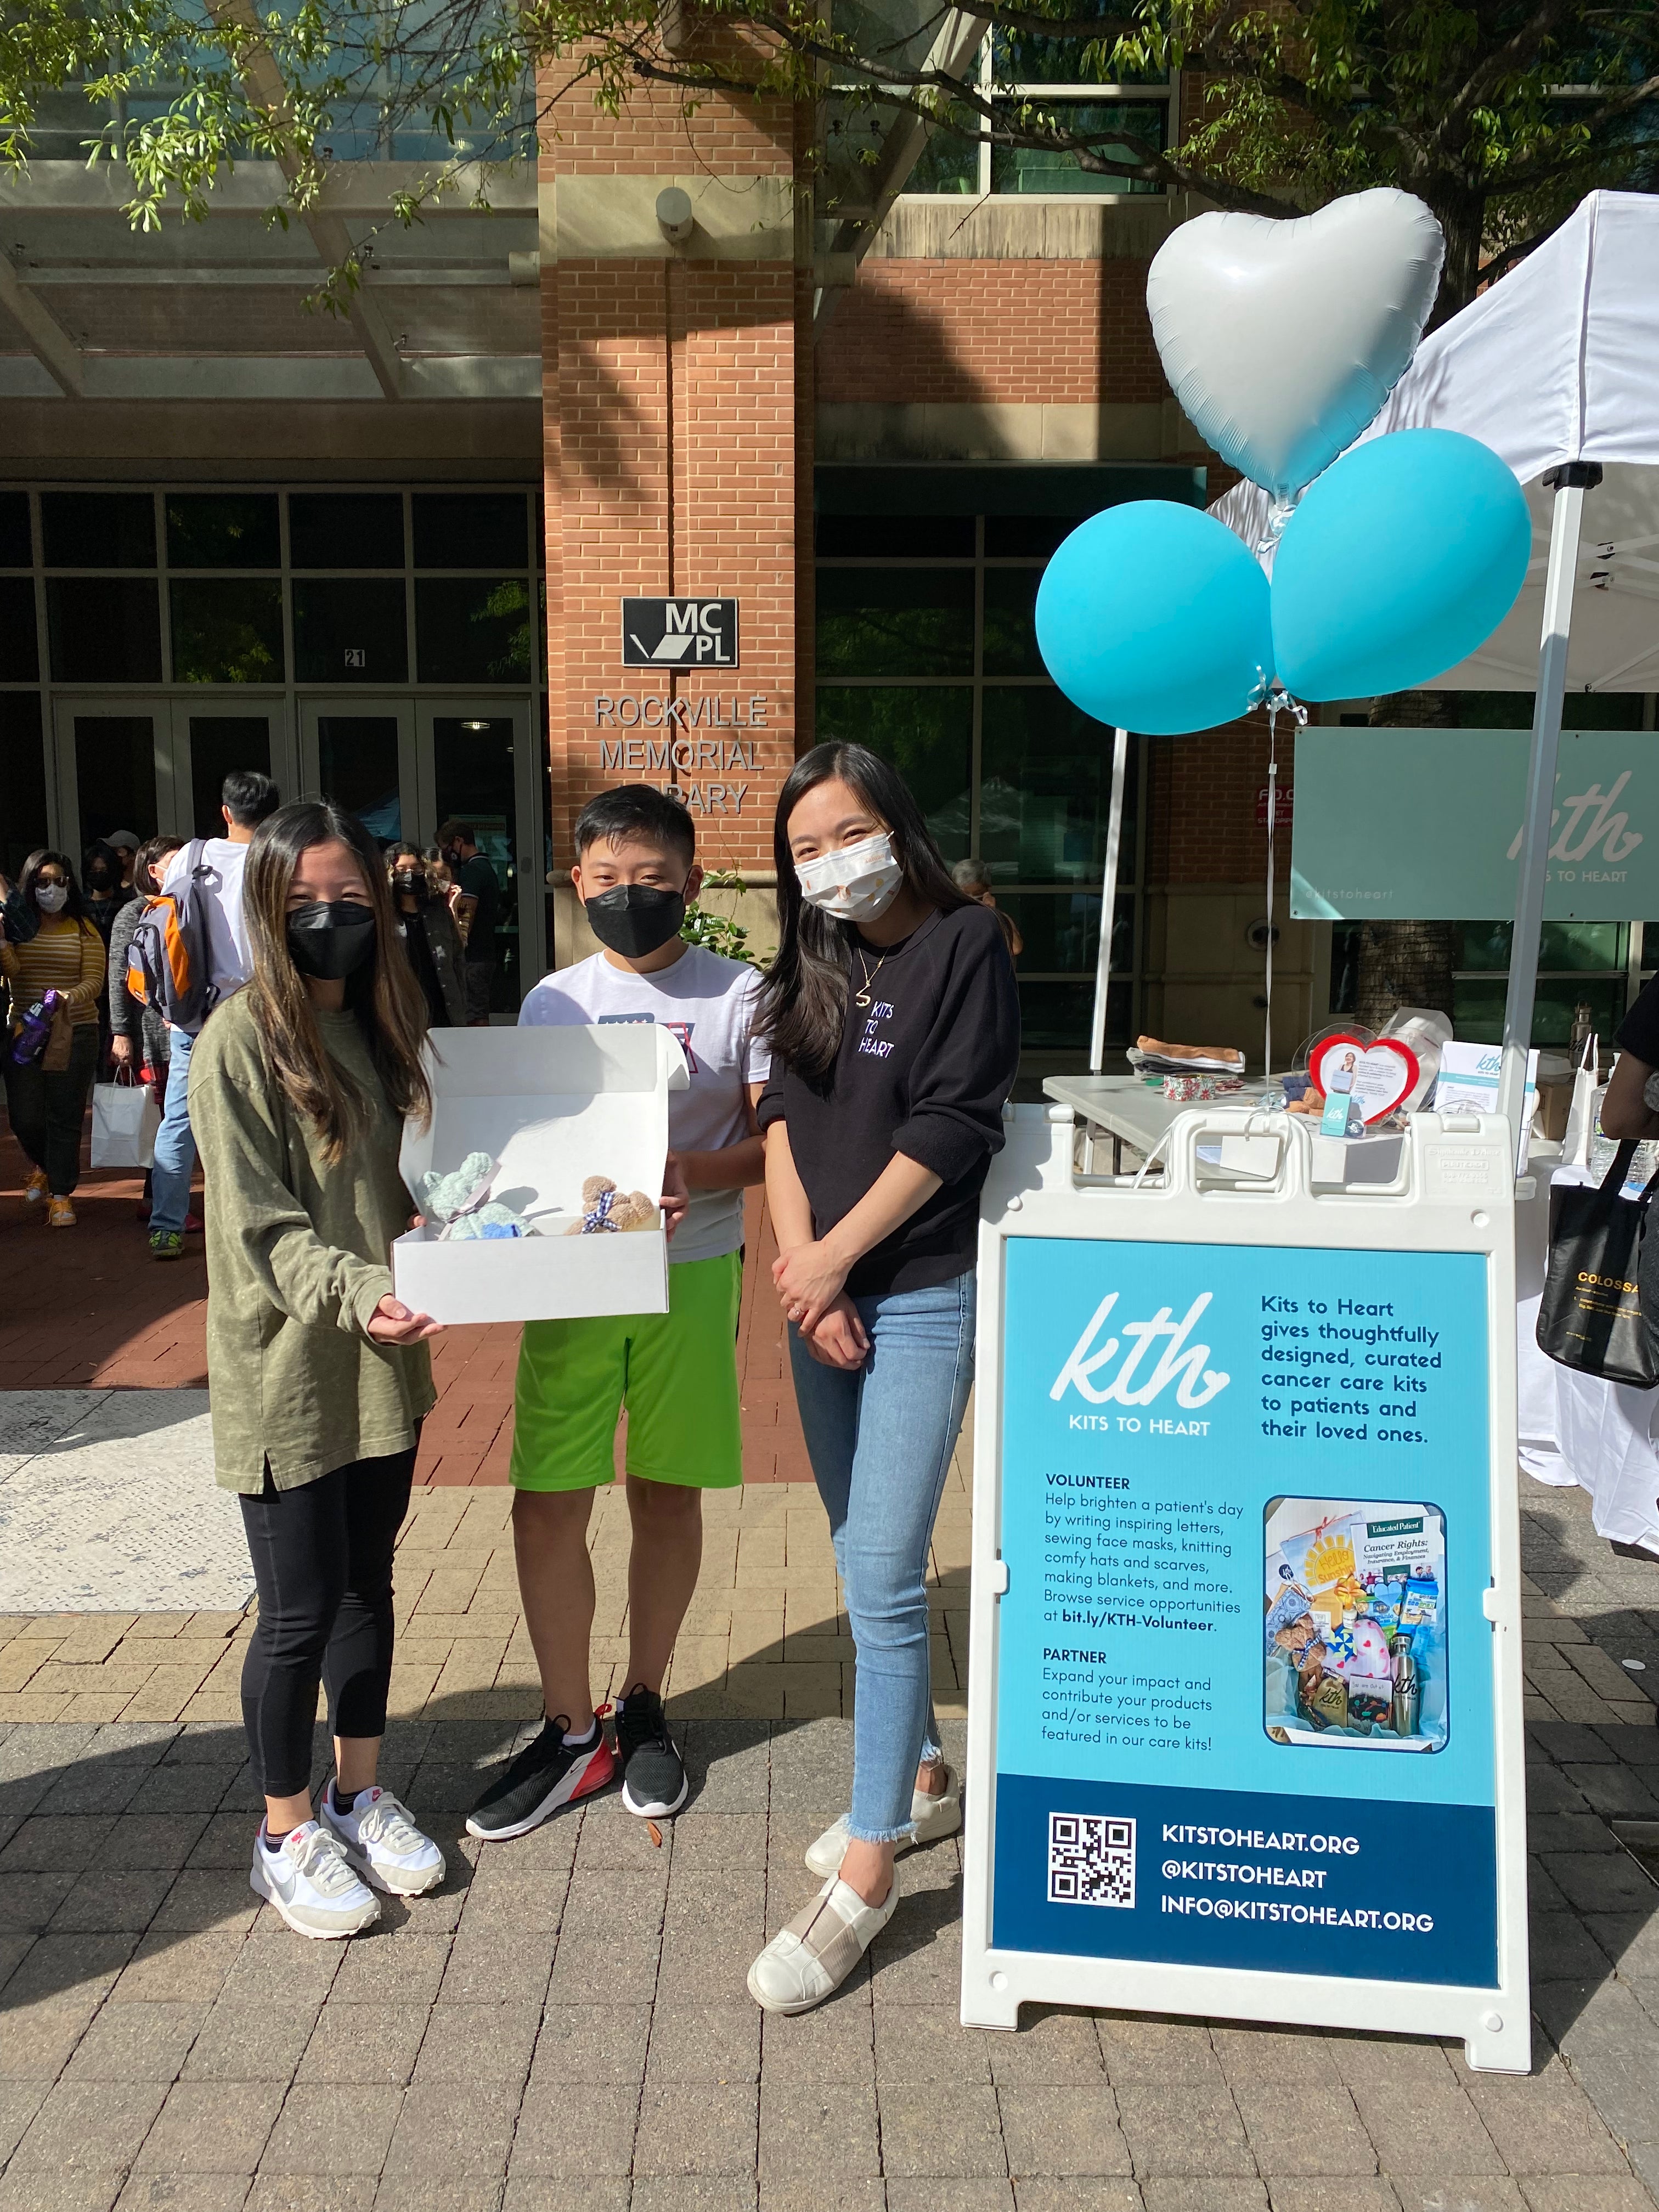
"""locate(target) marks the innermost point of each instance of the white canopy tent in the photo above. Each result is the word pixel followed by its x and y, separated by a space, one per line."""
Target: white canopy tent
pixel 1555 367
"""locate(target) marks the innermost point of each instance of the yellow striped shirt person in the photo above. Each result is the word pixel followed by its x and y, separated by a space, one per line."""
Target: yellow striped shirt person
pixel 46 1097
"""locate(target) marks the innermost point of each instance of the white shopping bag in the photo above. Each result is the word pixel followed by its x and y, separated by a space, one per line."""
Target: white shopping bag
pixel 1582 1112
pixel 125 1119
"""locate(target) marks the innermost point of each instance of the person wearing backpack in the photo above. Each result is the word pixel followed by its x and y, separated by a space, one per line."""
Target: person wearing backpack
pixel 208 871
pixel 139 1039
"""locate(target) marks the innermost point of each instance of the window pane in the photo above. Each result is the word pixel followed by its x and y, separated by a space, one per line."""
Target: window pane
pixel 946 163
pixel 928 735
pixel 115 775
pixel 98 529
pixel 469 632
pixel 1062 933
pixel 104 629
pixel 350 631
pixel 219 744
pixel 357 758
pixel 472 762
pixel 1478 1008
pixel 16 549
pixel 1588 944
pixel 1011 646
pixel 345 530
pixel 1027 534
pixel 1602 710
pixel 22 779
pixel 1128 130
pixel 470 530
pixel 1055 1017
pixel 933 536
pixel 1027 57
pixel 1046 789
pixel 895 622
pixel 223 530
pixel 227 629
pixel 1582 944
pixel 1495 710
pixel 20 647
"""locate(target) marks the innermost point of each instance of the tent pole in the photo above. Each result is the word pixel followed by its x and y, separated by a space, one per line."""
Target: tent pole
pixel 1108 900
pixel 1569 483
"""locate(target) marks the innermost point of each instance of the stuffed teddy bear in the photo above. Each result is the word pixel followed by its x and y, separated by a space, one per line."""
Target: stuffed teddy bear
pixel 443 1196
pixel 605 1208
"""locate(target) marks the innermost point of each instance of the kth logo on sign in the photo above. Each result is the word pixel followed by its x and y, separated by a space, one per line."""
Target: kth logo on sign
pixel 679 633
pixel 1177 1362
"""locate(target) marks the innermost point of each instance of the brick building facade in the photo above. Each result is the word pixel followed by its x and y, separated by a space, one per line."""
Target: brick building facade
pixel 702 398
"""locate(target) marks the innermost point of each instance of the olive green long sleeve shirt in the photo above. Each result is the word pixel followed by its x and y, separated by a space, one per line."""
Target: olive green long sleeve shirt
pixel 297 1262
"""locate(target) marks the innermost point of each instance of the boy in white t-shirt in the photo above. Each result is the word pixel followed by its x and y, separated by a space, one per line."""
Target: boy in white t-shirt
pixel 677 1373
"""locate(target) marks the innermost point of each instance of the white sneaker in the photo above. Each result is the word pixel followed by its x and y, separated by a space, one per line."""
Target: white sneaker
pixel 383 1844
pixel 311 1884
pixel 812 1956
pixel 930 1818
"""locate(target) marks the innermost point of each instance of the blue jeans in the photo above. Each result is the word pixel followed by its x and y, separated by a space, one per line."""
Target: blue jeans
pixel 175 1147
pixel 880 1440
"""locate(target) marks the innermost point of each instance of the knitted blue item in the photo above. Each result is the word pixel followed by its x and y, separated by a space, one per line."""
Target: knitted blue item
pixel 493 1220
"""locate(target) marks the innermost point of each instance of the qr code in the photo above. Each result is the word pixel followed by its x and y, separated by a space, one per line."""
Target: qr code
pixel 1091 1860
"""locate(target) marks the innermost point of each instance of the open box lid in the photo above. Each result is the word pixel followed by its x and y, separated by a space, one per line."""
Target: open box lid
pixel 553 1105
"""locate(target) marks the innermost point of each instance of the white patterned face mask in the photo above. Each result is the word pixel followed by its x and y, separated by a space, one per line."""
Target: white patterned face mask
pixel 858 884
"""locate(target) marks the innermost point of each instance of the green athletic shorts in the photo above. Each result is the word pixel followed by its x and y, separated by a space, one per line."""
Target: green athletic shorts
pixel 677 1373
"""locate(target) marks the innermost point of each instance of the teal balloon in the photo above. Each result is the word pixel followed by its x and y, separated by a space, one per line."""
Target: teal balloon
pixel 1399 561
pixel 1154 616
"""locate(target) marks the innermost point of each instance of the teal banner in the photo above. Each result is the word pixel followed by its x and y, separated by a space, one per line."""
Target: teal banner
pixel 1425 825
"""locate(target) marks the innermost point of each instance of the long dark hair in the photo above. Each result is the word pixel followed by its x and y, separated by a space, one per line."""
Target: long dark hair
pixel 74 907
pixel 382 993
pixel 802 1001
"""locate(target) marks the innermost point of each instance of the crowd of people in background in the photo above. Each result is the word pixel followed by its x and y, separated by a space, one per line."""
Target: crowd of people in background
pixel 72 934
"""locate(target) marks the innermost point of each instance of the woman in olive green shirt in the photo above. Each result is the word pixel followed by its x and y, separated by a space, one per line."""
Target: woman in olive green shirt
pixel 298 1088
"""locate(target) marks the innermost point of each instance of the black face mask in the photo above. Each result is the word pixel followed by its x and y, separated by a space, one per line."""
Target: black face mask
pixel 331 941
pixel 412 883
pixel 635 919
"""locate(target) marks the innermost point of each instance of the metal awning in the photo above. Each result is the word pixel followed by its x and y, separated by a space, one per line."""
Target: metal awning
pixel 448 309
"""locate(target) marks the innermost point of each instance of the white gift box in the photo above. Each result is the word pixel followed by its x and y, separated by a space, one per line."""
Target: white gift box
pixel 553 1106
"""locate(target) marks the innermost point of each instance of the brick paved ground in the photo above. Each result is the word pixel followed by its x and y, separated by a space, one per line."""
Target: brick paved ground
pixel 564 2028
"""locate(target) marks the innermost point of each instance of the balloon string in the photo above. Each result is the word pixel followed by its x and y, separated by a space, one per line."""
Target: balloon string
pixel 1272 810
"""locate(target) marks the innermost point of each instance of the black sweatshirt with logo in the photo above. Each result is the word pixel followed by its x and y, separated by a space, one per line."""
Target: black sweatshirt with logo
pixel 923 1070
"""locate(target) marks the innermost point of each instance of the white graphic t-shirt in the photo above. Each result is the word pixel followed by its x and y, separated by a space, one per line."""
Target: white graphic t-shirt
pixel 710 1004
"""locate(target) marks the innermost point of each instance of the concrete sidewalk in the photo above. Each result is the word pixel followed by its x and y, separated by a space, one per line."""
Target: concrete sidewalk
pixel 564 2027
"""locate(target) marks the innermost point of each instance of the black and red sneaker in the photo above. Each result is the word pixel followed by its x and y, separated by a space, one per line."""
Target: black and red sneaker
pixel 546 1776
pixel 654 1783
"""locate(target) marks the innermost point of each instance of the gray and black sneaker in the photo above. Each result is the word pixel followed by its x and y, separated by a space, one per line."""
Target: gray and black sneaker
pixel 653 1773
pixel 547 1775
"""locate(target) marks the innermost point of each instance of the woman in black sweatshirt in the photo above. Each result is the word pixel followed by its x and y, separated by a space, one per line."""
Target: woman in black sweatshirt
pixel 894 1022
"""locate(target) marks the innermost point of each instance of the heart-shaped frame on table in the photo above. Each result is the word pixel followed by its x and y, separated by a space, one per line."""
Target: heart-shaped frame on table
pixel 1381 1075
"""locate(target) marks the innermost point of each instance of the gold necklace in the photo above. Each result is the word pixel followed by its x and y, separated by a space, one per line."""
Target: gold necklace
pixel 862 998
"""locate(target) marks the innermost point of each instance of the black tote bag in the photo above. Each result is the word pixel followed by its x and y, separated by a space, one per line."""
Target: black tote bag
pixel 1590 1314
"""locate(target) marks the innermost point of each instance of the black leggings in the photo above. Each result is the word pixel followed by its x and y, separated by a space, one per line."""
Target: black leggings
pixel 322 1564
pixel 48 1109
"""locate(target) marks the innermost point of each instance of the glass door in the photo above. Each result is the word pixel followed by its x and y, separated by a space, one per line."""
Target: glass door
pixel 360 753
pixel 477 767
pixel 115 769
pixel 206 748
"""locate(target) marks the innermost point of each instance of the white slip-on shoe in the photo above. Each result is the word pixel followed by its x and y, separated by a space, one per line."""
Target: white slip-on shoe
pixel 383 1844
pixel 310 1882
pixel 812 1956
pixel 930 1818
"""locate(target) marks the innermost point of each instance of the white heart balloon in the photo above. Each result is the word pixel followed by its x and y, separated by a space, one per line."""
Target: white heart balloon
pixel 1282 339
